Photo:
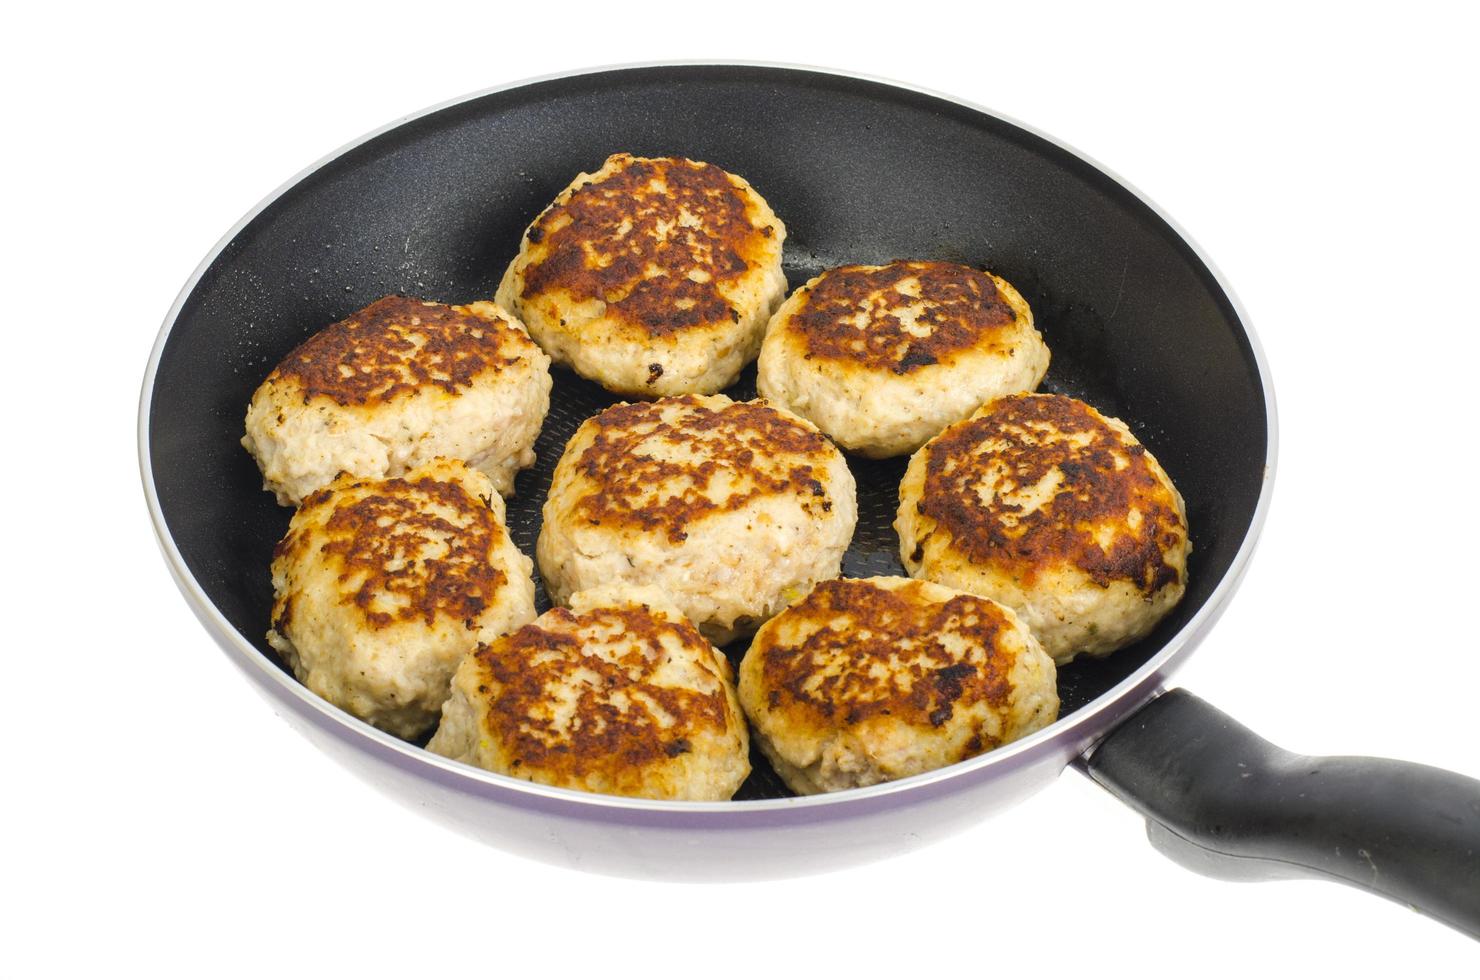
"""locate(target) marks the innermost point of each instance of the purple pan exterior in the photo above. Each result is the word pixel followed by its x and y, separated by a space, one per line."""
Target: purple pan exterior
pixel 700 841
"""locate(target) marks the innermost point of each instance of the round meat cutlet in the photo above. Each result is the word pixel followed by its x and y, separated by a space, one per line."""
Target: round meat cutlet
pixel 867 680
pixel 1047 506
pixel 399 383
pixel 732 509
pixel 618 694
pixel 651 277
pixel 883 357
pixel 382 586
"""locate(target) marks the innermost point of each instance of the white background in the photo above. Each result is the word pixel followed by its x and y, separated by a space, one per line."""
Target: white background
pixel 159 818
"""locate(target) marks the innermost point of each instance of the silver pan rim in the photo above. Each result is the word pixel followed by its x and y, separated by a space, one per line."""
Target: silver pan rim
pixel 1070 736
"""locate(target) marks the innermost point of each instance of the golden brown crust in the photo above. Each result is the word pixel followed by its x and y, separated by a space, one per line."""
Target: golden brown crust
pixel 1022 439
pixel 852 314
pixel 372 356
pixel 406 550
pixel 605 239
pixel 867 651
pixel 622 719
pixel 747 447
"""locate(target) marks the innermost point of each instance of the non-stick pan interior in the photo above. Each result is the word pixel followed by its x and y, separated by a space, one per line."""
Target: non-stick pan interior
pixel 859 171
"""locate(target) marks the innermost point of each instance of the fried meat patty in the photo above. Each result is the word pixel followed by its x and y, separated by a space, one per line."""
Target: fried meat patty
pixel 651 276
pixel 868 680
pixel 883 357
pixel 397 384
pixel 618 694
pixel 1047 506
pixel 381 586
pixel 730 508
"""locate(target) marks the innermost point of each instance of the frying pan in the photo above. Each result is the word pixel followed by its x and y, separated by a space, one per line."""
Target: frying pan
pixel 1139 323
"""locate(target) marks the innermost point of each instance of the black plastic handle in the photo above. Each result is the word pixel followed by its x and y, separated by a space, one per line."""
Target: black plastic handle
pixel 1221 800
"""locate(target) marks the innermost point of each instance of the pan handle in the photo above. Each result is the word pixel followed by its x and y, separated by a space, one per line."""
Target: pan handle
pixel 1224 802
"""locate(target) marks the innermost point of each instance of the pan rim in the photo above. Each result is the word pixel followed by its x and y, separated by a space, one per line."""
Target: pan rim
pixel 1069 736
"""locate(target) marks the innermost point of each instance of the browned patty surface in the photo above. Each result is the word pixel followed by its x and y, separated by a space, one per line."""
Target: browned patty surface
pixel 737 446
pixel 365 359
pixel 379 542
pixel 615 728
pixel 960 307
pixel 849 666
pixel 1011 435
pixel 643 216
